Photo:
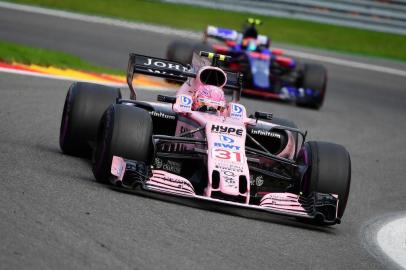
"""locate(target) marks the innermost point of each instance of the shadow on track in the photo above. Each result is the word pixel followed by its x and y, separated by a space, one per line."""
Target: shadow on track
pixel 229 210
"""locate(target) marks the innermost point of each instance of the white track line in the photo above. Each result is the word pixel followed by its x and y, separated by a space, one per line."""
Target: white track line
pixel 57 77
pixel 67 78
pixel 189 34
pixel 391 239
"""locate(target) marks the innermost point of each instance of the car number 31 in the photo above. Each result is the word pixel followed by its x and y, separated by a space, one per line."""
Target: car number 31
pixel 227 155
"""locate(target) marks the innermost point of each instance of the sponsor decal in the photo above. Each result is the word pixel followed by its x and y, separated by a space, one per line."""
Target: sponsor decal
pixel 226 139
pixel 225 32
pixel 229 177
pixel 236 111
pixel 259 180
pixel 226 142
pixel 169 165
pixel 161 64
pixel 227 130
pixel 162 115
pixel 222 32
pixel 264 132
pixel 185 102
pixel 226 146
pixel 228 166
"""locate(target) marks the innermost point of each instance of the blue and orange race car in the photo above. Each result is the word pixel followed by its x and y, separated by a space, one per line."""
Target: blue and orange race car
pixel 267 73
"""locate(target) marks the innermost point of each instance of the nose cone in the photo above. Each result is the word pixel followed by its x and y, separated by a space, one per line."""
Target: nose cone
pixel 229 183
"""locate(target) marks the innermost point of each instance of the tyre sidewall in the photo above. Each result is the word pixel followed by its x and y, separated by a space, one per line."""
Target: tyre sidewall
pixel 83 108
pixel 315 78
pixel 329 171
pixel 124 131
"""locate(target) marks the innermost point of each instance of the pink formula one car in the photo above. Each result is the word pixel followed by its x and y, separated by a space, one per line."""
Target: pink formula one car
pixel 199 146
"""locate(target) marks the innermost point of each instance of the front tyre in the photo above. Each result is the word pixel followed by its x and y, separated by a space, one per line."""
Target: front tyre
pixel 329 171
pixel 124 131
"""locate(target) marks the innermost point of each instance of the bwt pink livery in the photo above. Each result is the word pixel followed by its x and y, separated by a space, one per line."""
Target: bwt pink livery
pixel 200 146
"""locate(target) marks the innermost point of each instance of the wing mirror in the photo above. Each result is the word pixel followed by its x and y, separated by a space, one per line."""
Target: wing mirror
pixel 166 99
pixel 263 115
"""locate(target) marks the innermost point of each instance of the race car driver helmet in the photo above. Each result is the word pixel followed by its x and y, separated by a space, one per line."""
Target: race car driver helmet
pixel 209 98
pixel 250 31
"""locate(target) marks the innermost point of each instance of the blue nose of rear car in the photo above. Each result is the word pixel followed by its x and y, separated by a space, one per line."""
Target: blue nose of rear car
pixel 260 72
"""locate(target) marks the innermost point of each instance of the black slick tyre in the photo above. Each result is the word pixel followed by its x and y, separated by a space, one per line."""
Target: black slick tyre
pixel 314 78
pixel 329 171
pixel 84 106
pixel 124 131
pixel 182 52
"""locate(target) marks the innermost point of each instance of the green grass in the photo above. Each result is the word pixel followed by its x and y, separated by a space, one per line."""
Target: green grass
pixel 297 32
pixel 12 52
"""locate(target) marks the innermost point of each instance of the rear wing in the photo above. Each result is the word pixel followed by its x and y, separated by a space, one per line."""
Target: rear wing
pixel 221 33
pixel 163 68
pixel 224 34
pixel 156 67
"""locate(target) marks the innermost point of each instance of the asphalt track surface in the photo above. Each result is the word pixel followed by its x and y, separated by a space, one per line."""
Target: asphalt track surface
pixel 53 215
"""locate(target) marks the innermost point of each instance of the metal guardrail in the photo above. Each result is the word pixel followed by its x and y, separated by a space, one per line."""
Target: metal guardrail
pixel 385 15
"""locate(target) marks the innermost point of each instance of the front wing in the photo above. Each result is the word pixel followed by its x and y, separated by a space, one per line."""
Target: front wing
pixel 285 93
pixel 316 206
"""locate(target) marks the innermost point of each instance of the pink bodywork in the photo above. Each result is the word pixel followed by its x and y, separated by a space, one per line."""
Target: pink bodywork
pixel 225 144
pixel 226 134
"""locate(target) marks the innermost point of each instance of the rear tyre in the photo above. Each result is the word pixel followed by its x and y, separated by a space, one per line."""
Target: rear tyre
pixel 182 52
pixel 329 171
pixel 124 131
pixel 314 78
pixel 84 106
